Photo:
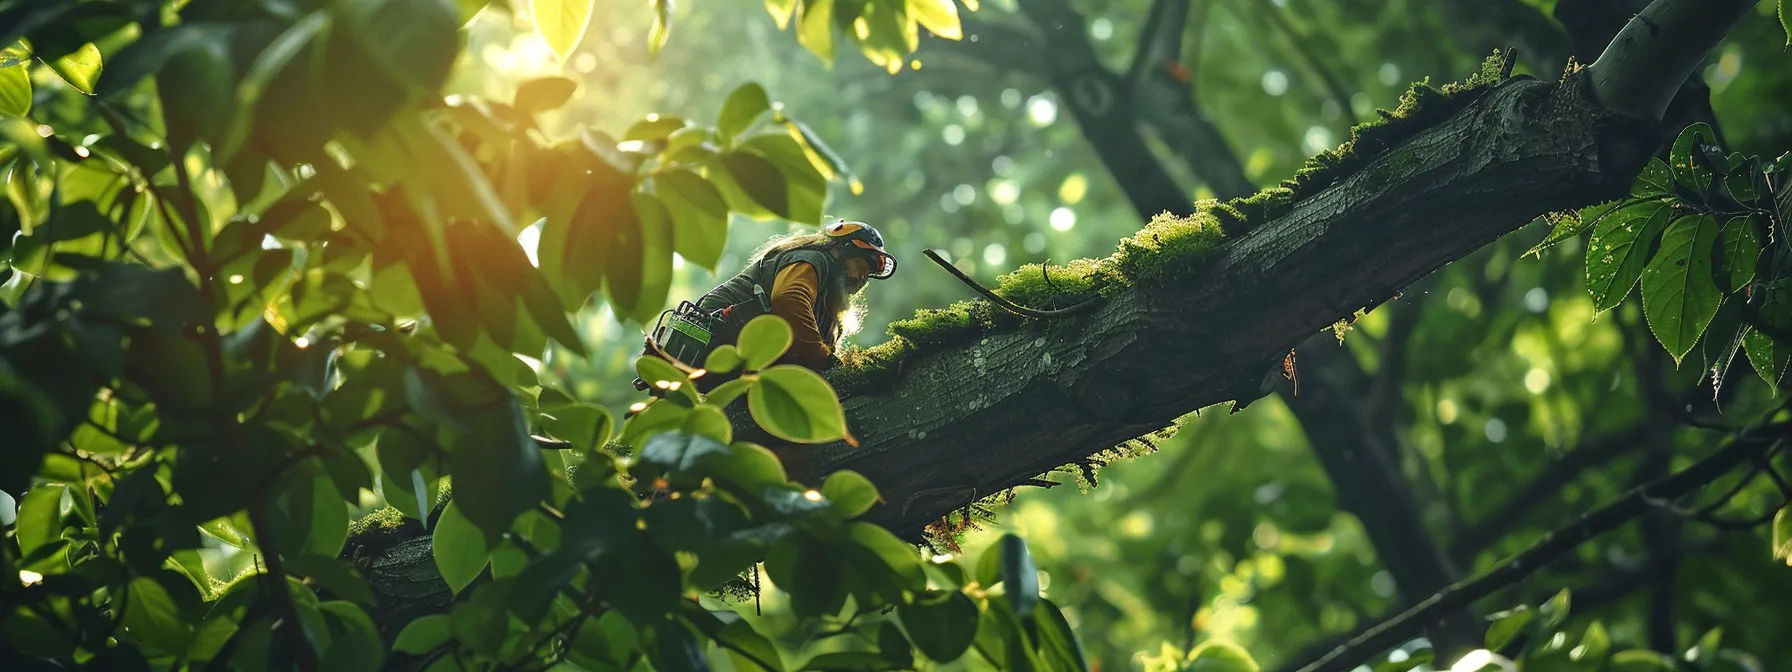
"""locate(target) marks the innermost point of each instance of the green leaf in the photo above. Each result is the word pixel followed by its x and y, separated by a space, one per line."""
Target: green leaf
pixel 1020 579
pixel 1641 660
pixel 796 404
pixel 742 642
pixel 699 215
pixel 151 616
pixel 679 451
pixel 661 28
pixel 1741 248
pixel 1656 180
pixel 901 557
pixel 1219 656
pixel 748 465
pixel 80 68
pixel 742 107
pixel 1770 355
pixel 1554 611
pixel 1679 297
pixel 424 634
pixel 1619 248
pixel 469 9
pixel 762 341
pixel 1786 23
pixel 939 17
pixel 308 516
pixel 15 89
pixel 1782 535
pixel 561 23
pixel 197 88
pixel 355 644
pixel 1571 225
pixel 1594 643
pixel 40 517
pixel 412 42
pixel 724 359
pixel 1507 625
pixel 851 493
pixel 639 273
pixel 498 470
pixel 151 52
pixel 1057 640
pixel 585 426
pixel 542 94
pixel 336 576
pixel 941 623
pixel 1688 170
pixel 805 189
pixel 816 29
pixel 459 548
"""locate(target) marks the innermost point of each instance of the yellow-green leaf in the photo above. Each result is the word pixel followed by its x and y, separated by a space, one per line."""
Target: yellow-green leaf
pixel 459 548
pixel 1618 249
pixel 561 23
pixel 816 31
pixel 152 617
pixel 80 68
pixel 1782 535
pixel 762 341
pixel 15 90
pixel 850 492
pixel 938 16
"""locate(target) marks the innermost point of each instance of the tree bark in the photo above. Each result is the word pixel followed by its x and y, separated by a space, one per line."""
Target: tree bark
pixel 973 420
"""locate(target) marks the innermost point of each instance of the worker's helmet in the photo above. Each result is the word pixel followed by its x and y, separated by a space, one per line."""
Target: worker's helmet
pixel 862 236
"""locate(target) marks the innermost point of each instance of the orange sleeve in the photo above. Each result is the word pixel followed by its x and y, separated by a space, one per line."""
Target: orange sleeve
pixel 793 298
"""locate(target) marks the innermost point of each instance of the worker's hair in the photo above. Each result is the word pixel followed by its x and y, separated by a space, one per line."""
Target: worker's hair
pixel 780 245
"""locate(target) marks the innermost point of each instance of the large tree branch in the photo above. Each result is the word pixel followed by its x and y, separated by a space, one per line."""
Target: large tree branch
pixel 1748 445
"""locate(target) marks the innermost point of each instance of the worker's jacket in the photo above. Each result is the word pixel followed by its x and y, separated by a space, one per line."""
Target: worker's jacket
pixel 793 285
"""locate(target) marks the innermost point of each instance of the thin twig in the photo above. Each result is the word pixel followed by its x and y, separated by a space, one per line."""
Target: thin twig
pixel 1005 304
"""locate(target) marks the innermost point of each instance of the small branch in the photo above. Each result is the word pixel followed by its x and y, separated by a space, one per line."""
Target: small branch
pixel 1645 65
pixel 1160 39
pixel 1007 305
pixel 1551 547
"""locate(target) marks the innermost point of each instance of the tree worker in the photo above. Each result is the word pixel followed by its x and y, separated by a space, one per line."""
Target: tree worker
pixel 807 279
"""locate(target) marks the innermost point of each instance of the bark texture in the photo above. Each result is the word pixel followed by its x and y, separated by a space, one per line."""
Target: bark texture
pixel 1052 394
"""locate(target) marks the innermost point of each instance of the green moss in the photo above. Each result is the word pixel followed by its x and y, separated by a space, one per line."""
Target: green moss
pixel 382 519
pixel 1168 248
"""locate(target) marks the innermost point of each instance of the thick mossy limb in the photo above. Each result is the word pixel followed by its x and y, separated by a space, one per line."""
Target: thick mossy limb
pixel 1169 248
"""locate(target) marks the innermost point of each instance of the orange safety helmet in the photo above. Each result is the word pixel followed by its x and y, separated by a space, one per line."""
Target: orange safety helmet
pixel 862 236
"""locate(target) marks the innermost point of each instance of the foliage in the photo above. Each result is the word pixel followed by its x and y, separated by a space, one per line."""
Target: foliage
pixel 268 272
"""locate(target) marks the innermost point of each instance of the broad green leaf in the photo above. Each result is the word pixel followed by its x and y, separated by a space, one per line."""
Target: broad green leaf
pixel 745 644
pixel 851 493
pixel 1679 297
pixel 740 110
pixel 710 421
pixel 542 94
pixel 1571 225
pixel 469 9
pixel 308 516
pixel 1782 535
pixel 1619 248
pixel 355 643
pixel 1057 640
pixel 413 42
pixel 898 555
pixel 424 634
pixel 40 517
pixel 941 623
pixel 497 468
pixel 639 273
pixel 80 68
pixel 679 451
pixel 781 11
pixel 459 548
pixel 1020 578
pixel 816 29
pixel 796 404
pixel 939 17
pixel 661 374
pixel 699 215
pixel 333 575
pixel 151 616
pixel 1689 171
pixel 585 426
pixel 1741 247
pixel 805 189
pixel 15 88
pixel 150 53
pixel 748 465
pixel 1786 22
pixel 728 392
pixel 1655 181
pixel 561 23
pixel 1769 354
pixel 197 88
pixel 1219 656
pixel 1507 625
pixel 724 359
pixel 762 341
